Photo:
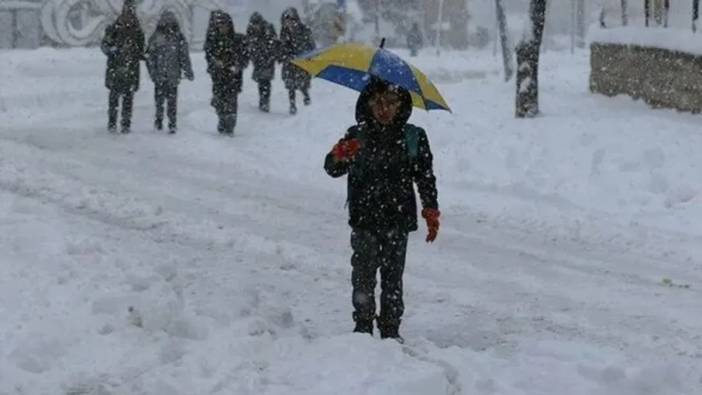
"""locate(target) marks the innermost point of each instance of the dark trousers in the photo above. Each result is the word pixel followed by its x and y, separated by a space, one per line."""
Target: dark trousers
pixel 305 94
pixel 227 119
pixel 225 100
pixel 264 91
pixel 374 250
pixel 127 106
pixel 167 94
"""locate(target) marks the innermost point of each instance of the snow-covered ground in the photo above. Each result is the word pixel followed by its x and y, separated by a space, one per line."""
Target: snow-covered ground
pixel 569 259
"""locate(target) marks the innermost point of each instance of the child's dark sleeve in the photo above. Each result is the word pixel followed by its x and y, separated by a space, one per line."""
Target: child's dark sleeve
pixel 338 168
pixel 424 173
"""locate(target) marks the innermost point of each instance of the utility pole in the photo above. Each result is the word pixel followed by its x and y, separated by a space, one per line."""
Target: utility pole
pixel 573 22
pixel 439 26
pixel 377 19
pixel 581 24
pixel 504 39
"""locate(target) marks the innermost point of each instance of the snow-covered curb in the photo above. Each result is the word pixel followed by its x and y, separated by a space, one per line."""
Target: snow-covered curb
pixel 670 39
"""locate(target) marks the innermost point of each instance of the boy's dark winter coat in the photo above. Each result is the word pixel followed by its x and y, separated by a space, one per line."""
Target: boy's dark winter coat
pixel 226 60
pixel 167 55
pixel 295 39
pixel 263 47
pixel 382 176
pixel 123 44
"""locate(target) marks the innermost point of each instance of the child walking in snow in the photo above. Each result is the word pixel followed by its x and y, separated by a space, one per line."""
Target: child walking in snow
pixel 384 157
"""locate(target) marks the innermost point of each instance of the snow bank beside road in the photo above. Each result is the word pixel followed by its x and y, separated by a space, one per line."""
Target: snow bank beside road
pixel 233 253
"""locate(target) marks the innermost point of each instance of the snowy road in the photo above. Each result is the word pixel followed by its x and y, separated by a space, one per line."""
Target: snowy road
pixel 567 263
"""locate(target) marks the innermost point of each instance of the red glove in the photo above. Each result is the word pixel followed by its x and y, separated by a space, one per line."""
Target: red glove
pixel 346 150
pixel 432 215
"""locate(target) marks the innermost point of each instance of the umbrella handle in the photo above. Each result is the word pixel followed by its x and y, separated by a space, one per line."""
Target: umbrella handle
pixel 382 43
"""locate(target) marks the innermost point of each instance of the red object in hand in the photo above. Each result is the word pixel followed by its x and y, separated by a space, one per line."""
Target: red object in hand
pixel 432 215
pixel 346 150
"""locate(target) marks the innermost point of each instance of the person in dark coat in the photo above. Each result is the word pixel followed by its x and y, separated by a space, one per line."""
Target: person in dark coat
pixel 384 157
pixel 295 39
pixel 225 52
pixel 263 47
pixel 123 44
pixel 168 60
pixel 414 39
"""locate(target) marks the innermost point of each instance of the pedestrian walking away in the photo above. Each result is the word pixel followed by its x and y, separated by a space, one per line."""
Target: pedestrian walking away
pixel 295 40
pixel 263 49
pixel 225 52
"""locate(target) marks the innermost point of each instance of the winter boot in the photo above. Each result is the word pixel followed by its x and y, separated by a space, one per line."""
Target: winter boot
pixel 158 124
pixel 220 124
pixel 307 100
pixel 112 128
pixel 363 324
pixel 229 124
pixel 172 127
pixel 291 98
pixel 126 126
pixel 390 329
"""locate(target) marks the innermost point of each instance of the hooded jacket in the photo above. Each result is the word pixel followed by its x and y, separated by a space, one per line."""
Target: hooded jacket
pixel 263 47
pixel 167 55
pixel 123 44
pixel 225 53
pixel 382 176
pixel 295 39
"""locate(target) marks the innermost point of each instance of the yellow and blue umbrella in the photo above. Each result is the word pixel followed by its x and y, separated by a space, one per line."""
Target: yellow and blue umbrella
pixel 353 66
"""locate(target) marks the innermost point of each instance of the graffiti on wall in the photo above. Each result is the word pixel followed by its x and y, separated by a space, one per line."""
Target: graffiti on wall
pixel 82 22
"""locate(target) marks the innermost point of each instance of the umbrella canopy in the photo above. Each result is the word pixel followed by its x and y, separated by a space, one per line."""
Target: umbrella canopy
pixel 353 65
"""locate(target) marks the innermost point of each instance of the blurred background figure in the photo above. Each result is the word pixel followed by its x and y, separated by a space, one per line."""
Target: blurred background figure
pixel 295 39
pixel 263 49
pixel 414 39
pixel 123 44
pixel 168 60
pixel 225 52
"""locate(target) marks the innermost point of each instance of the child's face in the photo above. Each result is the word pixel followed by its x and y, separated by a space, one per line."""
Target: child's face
pixel 385 106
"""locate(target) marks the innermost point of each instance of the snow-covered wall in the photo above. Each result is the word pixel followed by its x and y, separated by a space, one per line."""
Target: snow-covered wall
pixel 672 39
pixel 662 77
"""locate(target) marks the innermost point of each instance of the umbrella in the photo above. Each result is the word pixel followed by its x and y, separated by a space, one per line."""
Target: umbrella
pixel 353 66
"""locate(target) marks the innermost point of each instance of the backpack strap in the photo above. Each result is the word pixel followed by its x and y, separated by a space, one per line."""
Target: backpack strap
pixel 412 141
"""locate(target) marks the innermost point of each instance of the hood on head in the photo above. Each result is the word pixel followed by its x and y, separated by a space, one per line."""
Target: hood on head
pixel 168 21
pixel 217 19
pixel 256 18
pixel 290 14
pixel 363 111
pixel 129 6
